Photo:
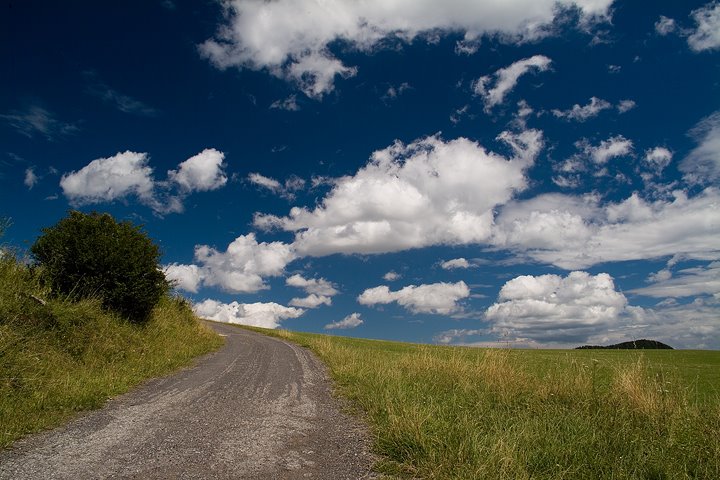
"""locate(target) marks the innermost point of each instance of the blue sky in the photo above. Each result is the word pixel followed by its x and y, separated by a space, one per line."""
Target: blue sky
pixel 533 173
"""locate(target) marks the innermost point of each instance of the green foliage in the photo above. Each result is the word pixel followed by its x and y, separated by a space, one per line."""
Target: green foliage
pixel 471 413
pixel 93 256
pixel 62 357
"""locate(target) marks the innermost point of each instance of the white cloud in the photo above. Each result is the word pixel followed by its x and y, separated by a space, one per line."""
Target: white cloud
pixel 318 286
pixel 290 104
pixel 706 35
pixel 37 120
pixel 200 173
pixel 455 334
pixel 660 276
pixel 311 301
pixel 242 267
pixel 288 190
pixel 291 39
pixel 556 309
pixel 577 232
pixel 689 282
pixel 626 105
pixel 30 177
pixel 613 147
pixel 429 192
pixel 351 321
pixel 658 158
pixel 439 298
pixel 391 276
pixel 394 92
pixel 265 315
pixel 108 179
pixel 583 113
pixel 185 277
pixel 505 79
pixel 455 263
pixel 702 164
pixel 665 25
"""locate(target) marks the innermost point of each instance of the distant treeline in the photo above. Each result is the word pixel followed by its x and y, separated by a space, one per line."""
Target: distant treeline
pixel 633 345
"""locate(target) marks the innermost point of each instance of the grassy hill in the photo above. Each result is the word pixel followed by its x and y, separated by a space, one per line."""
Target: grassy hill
pixel 59 357
pixel 467 413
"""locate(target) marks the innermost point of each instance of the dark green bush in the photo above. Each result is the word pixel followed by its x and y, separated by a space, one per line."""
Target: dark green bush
pixel 93 256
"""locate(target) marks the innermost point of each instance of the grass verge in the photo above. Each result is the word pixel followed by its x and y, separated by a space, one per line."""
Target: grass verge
pixel 464 413
pixel 63 357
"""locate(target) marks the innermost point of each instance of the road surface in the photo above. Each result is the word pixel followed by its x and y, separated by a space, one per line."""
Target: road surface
pixel 259 408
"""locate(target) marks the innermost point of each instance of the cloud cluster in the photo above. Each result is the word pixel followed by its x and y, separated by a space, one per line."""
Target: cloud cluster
pixel 293 39
pixel 575 232
pixel 505 79
pixel 689 282
pixel 287 190
pixel 550 307
pixel 702 164
pixel 265 315
pixel 455 263
pixel 240 269
pixel 129 174
pixel 319 290
pixel 351 321
pixel 582 113
pixel 439 298
pixel 706 35
pixel 426 193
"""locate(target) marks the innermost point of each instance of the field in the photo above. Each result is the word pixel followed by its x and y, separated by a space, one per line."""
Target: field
pixel 466 413
pixel 61 357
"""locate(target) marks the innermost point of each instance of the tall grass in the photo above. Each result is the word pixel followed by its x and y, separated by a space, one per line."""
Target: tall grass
pixel 61 357
pixel 460 413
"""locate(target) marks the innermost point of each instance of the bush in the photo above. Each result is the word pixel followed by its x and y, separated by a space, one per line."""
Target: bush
pixel 93 256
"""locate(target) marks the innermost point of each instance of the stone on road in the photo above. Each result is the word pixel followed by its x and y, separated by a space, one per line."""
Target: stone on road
pixel 258 408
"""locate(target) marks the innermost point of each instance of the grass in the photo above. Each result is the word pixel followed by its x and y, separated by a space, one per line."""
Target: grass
pixel 64 357
pixel 464 413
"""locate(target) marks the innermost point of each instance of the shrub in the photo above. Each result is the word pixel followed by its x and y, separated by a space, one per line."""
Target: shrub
pixel 92 255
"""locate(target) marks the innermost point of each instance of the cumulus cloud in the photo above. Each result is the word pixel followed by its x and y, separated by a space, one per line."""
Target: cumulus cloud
pixel 35 120
pixel 291 39
pixel 108 179
pixel 665 25
pixel 626 105
pixel 290 104
pixel 456 335
pixel 658 158
pixel 455 263
pixel 505 79
pixel 351 321
pixel 265 315
pixel 553 308
pixel 575 232
pixel 583 113
pixel 128 174
pixel 287 190
pixel 391 276
pixel 706 35
pixel 184 277
pixel 702 164
pixel 30 178
pixel 203 172
pixel 688 282
pixel 613 147
pixel 429 192
pixel 311 301
pixel 439 298
pixel 242 267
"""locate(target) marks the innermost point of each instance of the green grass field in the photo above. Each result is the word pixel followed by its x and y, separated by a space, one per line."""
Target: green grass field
pixel 466 413
pixel 63 357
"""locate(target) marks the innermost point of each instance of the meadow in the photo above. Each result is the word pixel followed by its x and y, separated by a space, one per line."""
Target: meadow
pixel 441 412
pixel 59 357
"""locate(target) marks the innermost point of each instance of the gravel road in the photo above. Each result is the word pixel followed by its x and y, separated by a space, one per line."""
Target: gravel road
pixel 259 408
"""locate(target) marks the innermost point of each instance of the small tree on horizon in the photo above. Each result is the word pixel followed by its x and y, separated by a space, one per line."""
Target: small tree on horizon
pixel 92 255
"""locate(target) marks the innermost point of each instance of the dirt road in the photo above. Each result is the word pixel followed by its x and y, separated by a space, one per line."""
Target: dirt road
pixel 259 408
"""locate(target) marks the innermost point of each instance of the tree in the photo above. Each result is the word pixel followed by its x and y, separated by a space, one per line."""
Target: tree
pixel 92 255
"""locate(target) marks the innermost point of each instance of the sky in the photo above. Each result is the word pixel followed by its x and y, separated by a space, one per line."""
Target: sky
pixel 525 173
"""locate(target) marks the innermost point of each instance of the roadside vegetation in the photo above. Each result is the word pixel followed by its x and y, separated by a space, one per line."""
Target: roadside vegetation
pixel 64 352
pixel 466 413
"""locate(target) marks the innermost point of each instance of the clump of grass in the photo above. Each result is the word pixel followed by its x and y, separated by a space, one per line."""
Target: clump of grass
pixel 62 357
pixel 461 413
